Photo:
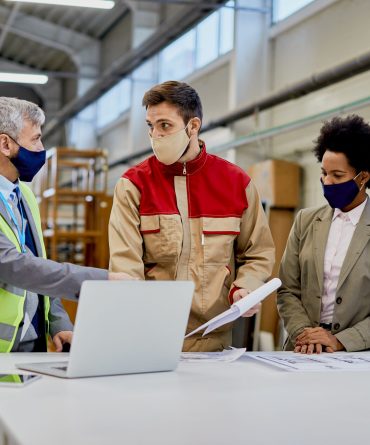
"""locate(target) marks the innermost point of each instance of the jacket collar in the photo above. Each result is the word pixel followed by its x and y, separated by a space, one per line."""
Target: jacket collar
pixel 360 239
pixel 325 214
pixel 321 227
pixel 4 214
pixel 7 187
pixel 191 167
pixel 353 215
pixel 328 214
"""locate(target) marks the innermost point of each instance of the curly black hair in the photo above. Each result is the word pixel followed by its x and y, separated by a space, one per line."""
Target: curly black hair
pixel 348 135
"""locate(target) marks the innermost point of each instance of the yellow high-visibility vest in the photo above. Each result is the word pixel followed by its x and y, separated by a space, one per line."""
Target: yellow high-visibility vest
pixel 12 298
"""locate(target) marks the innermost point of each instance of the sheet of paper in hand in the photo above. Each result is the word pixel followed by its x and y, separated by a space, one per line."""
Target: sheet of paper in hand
pixel 239 308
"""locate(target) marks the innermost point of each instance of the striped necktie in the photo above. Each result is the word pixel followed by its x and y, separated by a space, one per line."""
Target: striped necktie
pixel 15 198
pixel 30 243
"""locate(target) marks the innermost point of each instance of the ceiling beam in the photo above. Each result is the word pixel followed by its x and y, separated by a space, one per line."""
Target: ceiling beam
pixel 8 23
pixel 41 29
pixel 206 4
pixel 43 41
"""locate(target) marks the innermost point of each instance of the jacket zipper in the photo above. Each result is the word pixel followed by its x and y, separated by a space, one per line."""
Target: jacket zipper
pixel 184 169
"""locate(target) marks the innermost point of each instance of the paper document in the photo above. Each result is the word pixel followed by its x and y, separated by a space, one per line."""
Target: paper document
pixel 238 308
pixel 325 362
pixel 227 355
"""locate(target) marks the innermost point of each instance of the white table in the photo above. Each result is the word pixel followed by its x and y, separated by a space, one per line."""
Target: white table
pixel 238 403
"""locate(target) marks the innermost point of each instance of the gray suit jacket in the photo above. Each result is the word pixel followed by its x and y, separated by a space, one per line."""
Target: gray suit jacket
pixel 45 277
pixel 302 272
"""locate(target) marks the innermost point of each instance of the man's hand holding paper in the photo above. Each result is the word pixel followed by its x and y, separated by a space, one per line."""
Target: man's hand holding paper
pixel 241 293
pixel 241 307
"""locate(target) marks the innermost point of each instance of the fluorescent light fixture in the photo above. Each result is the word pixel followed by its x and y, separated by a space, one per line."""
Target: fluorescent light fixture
pixel 40 79
pixel 100 4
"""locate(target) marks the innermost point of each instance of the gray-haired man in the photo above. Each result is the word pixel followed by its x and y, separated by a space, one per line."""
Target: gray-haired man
pixel 27 316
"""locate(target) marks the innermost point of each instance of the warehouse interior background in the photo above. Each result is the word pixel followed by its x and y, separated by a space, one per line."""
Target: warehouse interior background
pixel 269 72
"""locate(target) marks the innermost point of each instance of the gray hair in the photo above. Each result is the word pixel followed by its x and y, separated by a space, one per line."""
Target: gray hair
pixel 13 113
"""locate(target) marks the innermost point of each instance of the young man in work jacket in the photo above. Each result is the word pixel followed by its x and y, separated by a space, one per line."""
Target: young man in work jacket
pixel 27 316
pixel 184 214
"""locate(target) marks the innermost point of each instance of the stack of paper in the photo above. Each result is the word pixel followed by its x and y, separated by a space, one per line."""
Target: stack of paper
pixel 227 356
pixel 338 361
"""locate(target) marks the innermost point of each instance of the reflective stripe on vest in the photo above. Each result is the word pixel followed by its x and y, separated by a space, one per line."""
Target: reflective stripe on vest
pixel 7 331
pixel 12 298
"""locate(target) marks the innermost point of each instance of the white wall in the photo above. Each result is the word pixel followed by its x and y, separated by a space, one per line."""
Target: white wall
pixel 114 139
pixel 212 85
pixel 338 33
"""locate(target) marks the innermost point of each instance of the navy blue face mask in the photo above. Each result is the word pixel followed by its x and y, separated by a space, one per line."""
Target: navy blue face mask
pixel 341 195
pixel 28 163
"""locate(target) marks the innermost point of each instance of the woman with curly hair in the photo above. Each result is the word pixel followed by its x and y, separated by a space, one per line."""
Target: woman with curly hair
pixel 325 297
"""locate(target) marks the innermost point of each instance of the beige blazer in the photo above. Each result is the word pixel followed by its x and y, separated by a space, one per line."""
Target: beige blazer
pixel 302 271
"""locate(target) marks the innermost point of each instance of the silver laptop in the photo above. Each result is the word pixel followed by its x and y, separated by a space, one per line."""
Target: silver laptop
pixel 125 327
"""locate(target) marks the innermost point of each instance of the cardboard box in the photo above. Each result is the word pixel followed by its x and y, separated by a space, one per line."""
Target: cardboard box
pixel 278 182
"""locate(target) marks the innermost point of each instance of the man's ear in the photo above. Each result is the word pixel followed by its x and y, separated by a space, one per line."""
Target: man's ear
pixel 5 144
pixel 365 177
pixel 195 125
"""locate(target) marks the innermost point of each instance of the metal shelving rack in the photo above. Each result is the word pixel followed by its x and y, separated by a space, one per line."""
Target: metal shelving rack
pixel 74 205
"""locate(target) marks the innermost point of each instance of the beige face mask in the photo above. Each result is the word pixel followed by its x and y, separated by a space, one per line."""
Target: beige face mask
pixel 169 149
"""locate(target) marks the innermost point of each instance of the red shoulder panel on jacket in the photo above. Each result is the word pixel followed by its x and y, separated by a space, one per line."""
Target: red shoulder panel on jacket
pixel 216 190
pixel 157 190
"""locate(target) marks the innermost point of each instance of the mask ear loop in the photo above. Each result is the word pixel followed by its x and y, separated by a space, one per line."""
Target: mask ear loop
pixel 190 135
pixel 13 139
pixel 186 129
pixel 362 184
